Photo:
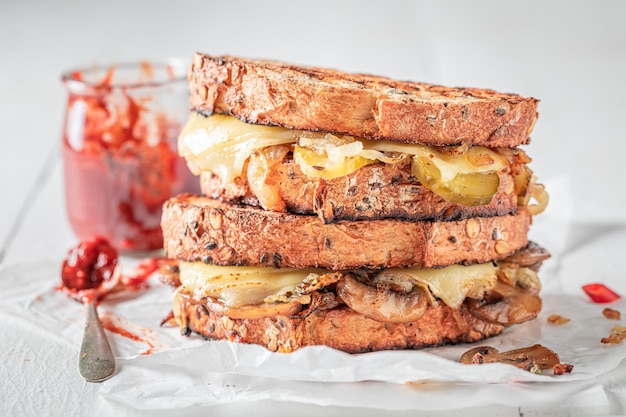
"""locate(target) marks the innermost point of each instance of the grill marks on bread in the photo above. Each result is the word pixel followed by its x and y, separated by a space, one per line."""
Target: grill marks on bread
pixel 360 105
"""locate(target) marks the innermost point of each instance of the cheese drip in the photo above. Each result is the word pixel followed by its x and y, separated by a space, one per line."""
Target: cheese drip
pixel 236 286
pixel 222 144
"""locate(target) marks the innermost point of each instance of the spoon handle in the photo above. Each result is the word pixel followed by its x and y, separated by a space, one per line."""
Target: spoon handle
pixel 96 362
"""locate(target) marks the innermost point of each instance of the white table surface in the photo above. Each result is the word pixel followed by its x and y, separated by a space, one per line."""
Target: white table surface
pixel 572 55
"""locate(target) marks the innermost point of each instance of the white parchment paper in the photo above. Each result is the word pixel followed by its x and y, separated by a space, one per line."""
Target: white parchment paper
pixel 160 369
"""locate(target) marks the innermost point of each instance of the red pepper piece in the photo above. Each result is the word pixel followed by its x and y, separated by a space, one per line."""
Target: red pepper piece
pixel 600 293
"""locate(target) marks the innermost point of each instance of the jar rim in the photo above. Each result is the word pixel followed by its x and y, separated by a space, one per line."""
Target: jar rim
pixel 148 73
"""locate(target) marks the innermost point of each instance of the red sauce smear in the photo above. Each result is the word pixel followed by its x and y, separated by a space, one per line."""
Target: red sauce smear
pixel 109 324
pixel 137 279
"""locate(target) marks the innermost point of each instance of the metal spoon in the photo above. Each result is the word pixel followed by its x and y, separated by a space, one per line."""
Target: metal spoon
pixel 96 362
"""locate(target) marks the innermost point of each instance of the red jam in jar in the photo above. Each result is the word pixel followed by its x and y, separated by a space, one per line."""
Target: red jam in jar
pixel 119 150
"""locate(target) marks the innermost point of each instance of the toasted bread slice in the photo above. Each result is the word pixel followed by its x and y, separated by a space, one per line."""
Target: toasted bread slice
pixel 203 229
pixel 373 192
pixel 360 105
pixel 337 327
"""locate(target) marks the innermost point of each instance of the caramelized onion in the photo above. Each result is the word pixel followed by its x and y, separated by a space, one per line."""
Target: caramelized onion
pixel 255 312
pixel 540 195
pixel 258 168
pixel 505 304
pixel 316 165
pixel 381 303
pixel 527 188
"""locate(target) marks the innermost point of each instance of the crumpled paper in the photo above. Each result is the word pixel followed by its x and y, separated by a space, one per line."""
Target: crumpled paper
pixel 160 369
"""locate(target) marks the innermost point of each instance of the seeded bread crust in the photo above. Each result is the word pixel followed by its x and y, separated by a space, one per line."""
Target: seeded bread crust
pixel 339 328
pixel 318 99
pixel 373 192
pixel 203 229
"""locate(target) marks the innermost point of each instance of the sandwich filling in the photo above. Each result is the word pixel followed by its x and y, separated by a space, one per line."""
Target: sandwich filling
pixel 230 149
pixel 389 295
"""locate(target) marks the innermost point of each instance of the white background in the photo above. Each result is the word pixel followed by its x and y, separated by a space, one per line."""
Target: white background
pixel 569 54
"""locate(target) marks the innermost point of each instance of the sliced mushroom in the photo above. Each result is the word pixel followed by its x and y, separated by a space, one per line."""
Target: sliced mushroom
pixel 505 304
pixel 477 355
pixel 531 256
pixel 381 303
pixel 529 358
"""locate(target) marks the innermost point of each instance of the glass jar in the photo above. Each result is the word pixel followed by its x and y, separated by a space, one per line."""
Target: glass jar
pixel 120 157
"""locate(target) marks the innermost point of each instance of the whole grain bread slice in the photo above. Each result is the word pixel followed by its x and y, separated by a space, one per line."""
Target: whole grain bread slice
pixel 360 105
pixel 338 327
pixel 373 192
pixel 203 229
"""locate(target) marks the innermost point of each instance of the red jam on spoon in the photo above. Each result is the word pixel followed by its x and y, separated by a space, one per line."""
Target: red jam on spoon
pixel 91 265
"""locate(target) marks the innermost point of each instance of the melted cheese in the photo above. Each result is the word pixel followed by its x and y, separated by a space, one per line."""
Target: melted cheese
pixel 237 286
pixel 455 283
pixel 451 161
pixel 241 285
pixel 222 144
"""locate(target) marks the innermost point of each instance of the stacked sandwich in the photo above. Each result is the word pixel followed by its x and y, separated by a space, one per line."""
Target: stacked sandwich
pixel 350 210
